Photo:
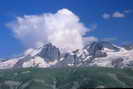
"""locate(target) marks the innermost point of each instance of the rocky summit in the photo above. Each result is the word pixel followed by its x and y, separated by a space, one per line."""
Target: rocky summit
pixel 99 53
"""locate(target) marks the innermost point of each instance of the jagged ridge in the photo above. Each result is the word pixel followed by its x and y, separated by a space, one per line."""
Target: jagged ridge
pixel 99 53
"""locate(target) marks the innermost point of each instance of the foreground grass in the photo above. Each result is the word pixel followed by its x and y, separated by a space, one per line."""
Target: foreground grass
pixel 66 78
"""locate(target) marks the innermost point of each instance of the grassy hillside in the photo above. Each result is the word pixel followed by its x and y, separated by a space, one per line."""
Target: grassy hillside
pixel 66 78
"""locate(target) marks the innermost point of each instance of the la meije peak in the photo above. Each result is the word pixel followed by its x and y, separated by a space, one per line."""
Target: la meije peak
pixel 99 53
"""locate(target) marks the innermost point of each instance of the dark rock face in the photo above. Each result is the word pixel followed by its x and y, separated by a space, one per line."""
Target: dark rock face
pixel 100 54
pixel 96 47
pixel 109 45
pixel 95 50
pixel 117 63
pixel 70 59
pixel 128 46
pixel 50 52
pixel 130 64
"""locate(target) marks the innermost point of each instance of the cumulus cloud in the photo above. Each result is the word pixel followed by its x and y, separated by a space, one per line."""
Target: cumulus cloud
pixel 63 29
pixel 118 15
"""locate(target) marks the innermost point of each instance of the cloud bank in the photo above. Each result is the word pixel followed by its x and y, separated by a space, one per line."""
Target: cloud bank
pixel 63 29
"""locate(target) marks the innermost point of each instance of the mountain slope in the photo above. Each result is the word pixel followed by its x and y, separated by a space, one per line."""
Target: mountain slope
pixel 66 78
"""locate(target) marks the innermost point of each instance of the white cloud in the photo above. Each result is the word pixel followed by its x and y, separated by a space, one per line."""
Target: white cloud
pixel 106 16
pixel 89 39
pixel 118 15
pixel 63 29
pixel 115 14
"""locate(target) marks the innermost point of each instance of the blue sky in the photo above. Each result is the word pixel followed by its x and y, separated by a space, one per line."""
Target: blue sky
pixel 113 19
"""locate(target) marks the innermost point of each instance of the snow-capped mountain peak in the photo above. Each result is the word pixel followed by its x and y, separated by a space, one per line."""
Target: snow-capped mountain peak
pixel 95 54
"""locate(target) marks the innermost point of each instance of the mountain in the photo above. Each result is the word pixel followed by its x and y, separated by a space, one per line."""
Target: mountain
pixel 128 46
pixel 100 53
